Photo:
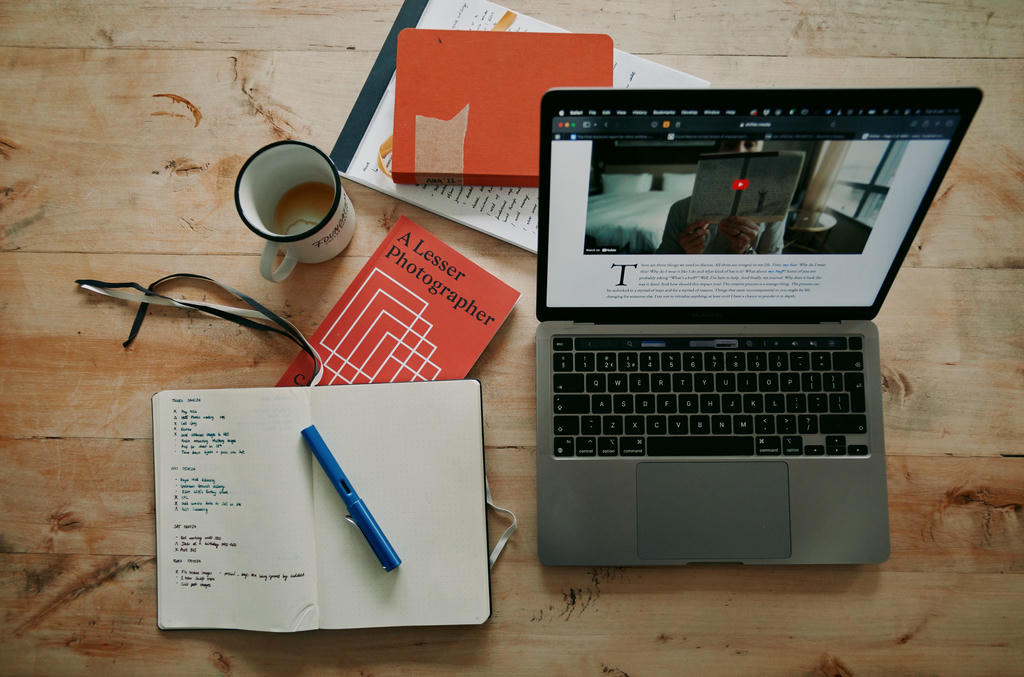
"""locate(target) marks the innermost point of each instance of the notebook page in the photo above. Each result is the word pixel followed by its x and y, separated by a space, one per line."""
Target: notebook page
pixel 414 454
pixel 234 513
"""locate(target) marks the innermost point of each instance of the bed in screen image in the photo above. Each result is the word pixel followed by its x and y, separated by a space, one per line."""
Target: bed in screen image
pixel 736 197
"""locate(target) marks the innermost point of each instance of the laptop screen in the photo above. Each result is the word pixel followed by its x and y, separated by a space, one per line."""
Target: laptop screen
pixel 773 201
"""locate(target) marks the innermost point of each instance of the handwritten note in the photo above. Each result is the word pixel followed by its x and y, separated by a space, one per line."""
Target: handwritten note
pixel 200 434
pixel 235 514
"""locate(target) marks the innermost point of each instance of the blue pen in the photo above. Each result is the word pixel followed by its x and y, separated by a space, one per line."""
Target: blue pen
pixel 357 510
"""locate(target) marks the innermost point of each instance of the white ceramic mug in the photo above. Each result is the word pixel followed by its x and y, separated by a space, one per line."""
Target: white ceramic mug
pixel 265 179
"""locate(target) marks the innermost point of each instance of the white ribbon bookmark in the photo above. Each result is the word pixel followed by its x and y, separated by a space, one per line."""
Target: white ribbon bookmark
pixel 500 545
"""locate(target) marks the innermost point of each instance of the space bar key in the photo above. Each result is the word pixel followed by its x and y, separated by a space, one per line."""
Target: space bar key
pixel 700 446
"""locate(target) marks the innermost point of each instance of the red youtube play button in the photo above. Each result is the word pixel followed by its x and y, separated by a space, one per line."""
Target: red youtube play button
pixel 740 184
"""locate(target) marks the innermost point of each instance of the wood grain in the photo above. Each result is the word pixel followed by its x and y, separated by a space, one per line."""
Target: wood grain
pixel 68 613
pixel 122 127
pixel 873 28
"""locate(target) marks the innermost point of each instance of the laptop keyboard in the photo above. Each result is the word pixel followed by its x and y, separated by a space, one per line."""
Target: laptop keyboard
pixel 791 396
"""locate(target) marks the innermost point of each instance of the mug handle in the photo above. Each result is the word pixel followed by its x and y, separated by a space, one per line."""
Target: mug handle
pixel 267 262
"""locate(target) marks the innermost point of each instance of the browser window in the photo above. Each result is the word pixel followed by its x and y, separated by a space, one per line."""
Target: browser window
pixel 798 207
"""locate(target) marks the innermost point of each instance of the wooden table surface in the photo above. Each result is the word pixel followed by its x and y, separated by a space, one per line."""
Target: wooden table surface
pixel 104 174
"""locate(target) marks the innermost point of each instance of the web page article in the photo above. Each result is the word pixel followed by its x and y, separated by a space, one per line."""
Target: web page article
pixel 731 221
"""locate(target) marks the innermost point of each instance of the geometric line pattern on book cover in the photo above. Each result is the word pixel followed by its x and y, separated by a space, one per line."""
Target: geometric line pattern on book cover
pixel 380 336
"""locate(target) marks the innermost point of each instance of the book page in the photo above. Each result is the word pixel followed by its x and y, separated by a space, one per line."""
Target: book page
pixel 508 213
pixel 234 513
pixel 414 454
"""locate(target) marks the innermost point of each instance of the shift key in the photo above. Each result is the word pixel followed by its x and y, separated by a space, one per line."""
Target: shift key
pixel 843 424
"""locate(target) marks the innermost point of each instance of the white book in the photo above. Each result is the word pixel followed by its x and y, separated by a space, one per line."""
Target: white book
pixel 252 535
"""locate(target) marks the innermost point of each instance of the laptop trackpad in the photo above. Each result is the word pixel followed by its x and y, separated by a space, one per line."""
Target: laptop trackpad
pixel 705 510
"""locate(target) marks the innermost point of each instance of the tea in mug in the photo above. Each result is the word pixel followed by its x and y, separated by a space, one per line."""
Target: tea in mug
pixel 302 207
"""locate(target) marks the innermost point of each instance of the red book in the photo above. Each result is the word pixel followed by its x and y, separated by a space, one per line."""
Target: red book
pixel 467 103
pixel 417 311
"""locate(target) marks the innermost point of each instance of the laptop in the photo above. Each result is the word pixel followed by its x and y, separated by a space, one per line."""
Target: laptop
pixel 709 262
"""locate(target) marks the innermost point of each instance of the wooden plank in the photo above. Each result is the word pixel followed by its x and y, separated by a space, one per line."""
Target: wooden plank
pixel 872 28
pixel 946 514
pixel 73 612
pixel 89 496
pixel 114 167
pixel 951 350
pixel 951 366
pixel 956 514
pixel 868 28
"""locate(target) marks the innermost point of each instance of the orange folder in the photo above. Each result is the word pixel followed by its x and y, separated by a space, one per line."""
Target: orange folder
pixel 467 103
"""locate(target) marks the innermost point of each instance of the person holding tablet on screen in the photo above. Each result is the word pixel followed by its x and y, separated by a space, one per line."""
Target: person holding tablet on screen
pixel 733 235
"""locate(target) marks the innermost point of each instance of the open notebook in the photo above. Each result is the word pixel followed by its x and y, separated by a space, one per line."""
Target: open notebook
pixel 251 534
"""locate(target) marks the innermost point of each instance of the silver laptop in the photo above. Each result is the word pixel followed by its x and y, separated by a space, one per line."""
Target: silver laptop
pixel 708 376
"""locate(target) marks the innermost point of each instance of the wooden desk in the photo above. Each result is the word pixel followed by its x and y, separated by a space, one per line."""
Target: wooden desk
pixel 104 175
